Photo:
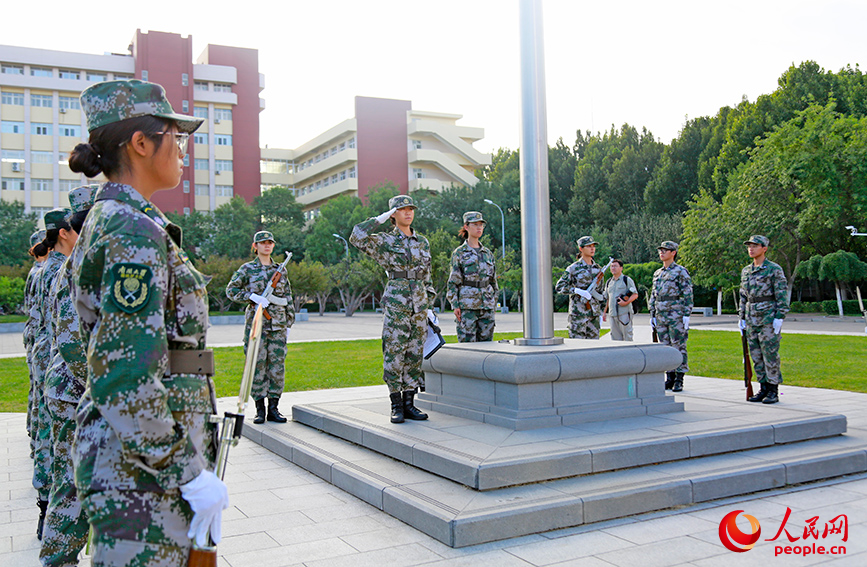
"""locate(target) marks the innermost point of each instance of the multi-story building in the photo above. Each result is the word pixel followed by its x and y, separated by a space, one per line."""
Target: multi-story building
pixel 41 119
pixel 386 141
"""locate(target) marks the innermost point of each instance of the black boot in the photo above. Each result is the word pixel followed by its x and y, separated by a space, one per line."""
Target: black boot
pixel 43 507
pixel 762 393
pixel 773 396
pixel 273 413
pixel 260 411
pixel 396 407
pixel 409 410
pixel 678 382
pixel 669 380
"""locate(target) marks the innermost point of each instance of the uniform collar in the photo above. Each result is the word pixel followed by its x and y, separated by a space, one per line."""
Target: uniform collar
pixel 127 194
pixel 398 232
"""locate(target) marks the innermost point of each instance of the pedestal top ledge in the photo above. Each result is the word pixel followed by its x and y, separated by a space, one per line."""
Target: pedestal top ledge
pixel 575 359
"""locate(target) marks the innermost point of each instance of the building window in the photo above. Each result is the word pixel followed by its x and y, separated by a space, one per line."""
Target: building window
pixel 334 178
pixel 334 151
pixel 186 186
pixel 41 185
pixel 96 77
pixel 225 191
pixel 185 104
pixel 200 86
pixel 67 185
pixel 318 185
pixel 186 160
pixel 326 182
pixel 203 189
pixel 69 103
pixel 199 138
pixel 41 72
pixel 13 156
pixel 222 114
pixel 222 88
pixel 223 140
pixel 418 173
pixel 40 129
pixel 67 74
pixel 12 69
pixel 341 147
pixel 185 79
pixel 222 165
pixel 352 142
pixel 343 175
pixel 12 184
pixel 122 77
pixel 200 112
pixel 10 127
pixel 187 211
pixel 277 166
pixel 72 131
pixel 352 172
pixel 201 164
pixel 41 157
pixel 13 98
pixel 416 144
pixel 41 100
pixel 39 211
pixel 144 75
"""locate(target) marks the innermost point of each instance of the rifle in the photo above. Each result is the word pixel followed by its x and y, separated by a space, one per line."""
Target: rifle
pixel 597 281
pixel 275 279
pixel 653 332
pixel 233 424
pixel 748 368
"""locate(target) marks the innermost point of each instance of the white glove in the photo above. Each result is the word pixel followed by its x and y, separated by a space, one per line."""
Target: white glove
pixel 686 323
pixel 386 215
pixel 287 332
pixel 208 497
pixel 582 292
pixel 258 299
pixel 653 322
pixel 433 317
pixel 742 325
pixel 778 326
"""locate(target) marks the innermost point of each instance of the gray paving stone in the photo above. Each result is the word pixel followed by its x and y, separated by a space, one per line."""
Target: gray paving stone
pixel 614 503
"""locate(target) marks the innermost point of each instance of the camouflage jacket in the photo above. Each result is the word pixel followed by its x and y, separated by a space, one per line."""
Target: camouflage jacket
pixel 767 284
pixel 66 377
pixel 39 311
pixel 397 252
pixel 253 277
pixel 29 298
pixel 582 275
pixel 671 292
pixel 137 296
pixel 473 265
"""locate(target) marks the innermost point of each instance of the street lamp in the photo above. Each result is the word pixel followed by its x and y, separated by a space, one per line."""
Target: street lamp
pixel 345 244
pixel 503 245
pixel 855 232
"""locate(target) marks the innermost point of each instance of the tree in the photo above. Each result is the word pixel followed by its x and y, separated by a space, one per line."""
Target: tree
pixel 355 280
pixel 338 216
pixel 308 279
pixel 220 269
pixel 442 244
pixel 11 295
pixel 284 217
pixel 15 236
pixel 838 267
pixel 235 223
pixel 198 227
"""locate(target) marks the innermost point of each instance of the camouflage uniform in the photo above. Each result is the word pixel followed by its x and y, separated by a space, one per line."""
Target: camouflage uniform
pixel 671 301
pixel 253 277
pixel 29 336
pixel 407 297
pixel 142 431
pixel 472 288
pixel 764 297
pixel 583 314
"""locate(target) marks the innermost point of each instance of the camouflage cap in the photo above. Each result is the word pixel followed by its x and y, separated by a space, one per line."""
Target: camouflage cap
pixel 113 101
pixel 758 239
pixel 668 245
pixel 81 198
pixel 262 236
pixel 473 216
pixel 586 241
pixel 56 218
pixel 400 202
pixel 37 236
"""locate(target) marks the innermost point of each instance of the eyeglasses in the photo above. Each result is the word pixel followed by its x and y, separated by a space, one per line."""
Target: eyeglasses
pixel 182 139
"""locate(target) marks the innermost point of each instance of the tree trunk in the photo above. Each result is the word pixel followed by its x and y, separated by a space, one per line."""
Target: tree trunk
pixel 719 302
pixel 322 299
pixel 839 300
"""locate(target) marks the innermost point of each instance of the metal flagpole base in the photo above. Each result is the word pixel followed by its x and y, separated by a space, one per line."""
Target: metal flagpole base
pixel 538 342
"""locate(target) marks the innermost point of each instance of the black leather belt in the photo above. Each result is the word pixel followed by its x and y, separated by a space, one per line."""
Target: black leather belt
pixel 478 285
pixel 667 298
pixel 760 298
pixel 191 362
pixel 410 275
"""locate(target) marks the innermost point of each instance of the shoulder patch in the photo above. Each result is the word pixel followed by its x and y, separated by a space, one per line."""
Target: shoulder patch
pixel 130 286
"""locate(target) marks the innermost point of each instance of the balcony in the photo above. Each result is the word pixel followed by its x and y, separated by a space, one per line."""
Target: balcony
pixel 449 166
pixel 454 136
pixel 317 196
pixel 340 160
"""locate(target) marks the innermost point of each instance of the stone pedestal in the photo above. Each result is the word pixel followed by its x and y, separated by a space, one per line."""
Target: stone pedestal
pixel 523 387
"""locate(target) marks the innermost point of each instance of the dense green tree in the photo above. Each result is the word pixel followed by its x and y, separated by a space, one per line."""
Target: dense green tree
pixel 308 279
pixel 337 216
pixel 220 269
pixel 355 281
pixel 234 224
pixel 675 181
pixel 198 227
pixel 15 235
pixel 442 244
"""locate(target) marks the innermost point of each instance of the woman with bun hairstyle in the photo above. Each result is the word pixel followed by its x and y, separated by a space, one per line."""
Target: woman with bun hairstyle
pixel 144 444
pixel 57 244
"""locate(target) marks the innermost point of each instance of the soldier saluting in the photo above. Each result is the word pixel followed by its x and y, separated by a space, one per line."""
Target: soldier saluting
pixel 762 308
pixel 406 302
pixel 472 285
pixel 583 283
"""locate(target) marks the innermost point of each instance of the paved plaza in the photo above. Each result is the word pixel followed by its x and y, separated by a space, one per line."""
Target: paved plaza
pixel 282 515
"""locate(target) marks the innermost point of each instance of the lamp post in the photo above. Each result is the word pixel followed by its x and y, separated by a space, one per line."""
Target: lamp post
pixel 503 246
pixel 345 244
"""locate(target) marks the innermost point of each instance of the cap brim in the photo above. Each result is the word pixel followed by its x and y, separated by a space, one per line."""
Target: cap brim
pixel 188 124
pixel 753 242
pixel 407 207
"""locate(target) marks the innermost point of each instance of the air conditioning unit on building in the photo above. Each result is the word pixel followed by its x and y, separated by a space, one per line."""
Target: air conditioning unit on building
pixel 16 167
pixel 216 173
pixel 62 111
pixel 216 120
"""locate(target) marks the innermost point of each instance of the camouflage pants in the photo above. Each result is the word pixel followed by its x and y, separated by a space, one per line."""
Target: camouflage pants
pixel 41 430
pixel 672 332
pixel 269 379
pixel 403 335
pixel 765 351
pixel 476 325
pixel 139 529
pixel 583 327
pixel 30 407
pixel 66 527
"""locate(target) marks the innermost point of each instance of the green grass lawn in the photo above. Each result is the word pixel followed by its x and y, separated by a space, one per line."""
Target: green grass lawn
pixel 818 361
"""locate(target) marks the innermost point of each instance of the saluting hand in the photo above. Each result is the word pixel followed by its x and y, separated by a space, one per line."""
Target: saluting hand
pixel 386 215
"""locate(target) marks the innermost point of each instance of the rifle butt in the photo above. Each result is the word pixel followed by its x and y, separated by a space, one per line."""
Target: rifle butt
pixel 202 557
